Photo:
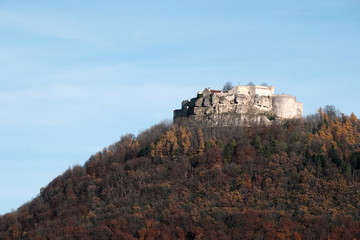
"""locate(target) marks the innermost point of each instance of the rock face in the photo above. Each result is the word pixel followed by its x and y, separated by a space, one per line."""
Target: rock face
pixel 241 106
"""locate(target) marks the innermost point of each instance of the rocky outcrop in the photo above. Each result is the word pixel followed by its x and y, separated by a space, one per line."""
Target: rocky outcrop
pixel 243 105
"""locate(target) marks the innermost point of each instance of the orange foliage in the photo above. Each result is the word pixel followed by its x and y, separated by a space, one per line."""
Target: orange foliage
pixel 294 180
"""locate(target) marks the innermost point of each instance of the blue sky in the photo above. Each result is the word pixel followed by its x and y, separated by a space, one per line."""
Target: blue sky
pixel 76 75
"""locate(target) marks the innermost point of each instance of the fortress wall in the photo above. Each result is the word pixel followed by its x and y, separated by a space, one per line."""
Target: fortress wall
pixel 238 90
pixel 252 90
pixel 299 108
pixel 243 90
pixel 285 106
pixel 264 90
pixel 179 113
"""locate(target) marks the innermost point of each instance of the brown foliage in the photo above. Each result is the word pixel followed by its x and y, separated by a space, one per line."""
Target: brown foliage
pixel 296 180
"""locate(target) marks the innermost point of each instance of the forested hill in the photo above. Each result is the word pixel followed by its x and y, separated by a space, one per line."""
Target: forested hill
pixel 295 180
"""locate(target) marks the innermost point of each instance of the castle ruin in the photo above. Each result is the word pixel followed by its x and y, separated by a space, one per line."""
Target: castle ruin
pixel 240 106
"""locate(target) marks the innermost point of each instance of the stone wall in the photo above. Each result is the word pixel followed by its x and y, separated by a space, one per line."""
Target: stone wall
pixel 252 90
pixel 285 106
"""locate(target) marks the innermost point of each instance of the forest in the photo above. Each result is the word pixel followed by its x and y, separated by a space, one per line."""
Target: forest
pixel 296 179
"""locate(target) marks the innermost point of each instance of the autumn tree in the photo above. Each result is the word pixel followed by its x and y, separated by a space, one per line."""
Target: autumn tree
pixel 298 179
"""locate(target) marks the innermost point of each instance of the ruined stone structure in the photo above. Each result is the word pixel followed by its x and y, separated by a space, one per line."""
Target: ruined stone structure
pixel 240 106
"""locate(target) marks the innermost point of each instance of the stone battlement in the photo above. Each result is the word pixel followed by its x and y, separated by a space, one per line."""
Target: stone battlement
pixel 240 106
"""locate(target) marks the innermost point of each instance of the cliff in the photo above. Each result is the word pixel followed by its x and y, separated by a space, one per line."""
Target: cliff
pixel 241 106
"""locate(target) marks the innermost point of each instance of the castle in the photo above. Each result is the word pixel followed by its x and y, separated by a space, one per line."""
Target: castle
pixel 240 106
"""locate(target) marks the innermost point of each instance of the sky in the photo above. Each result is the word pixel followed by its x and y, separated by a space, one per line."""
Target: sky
pixel 77 75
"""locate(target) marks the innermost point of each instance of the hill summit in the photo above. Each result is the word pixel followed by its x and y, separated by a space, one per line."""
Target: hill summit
pixel 296 179
pixel 238 106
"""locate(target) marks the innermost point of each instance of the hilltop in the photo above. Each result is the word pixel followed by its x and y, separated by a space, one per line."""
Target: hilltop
pixel 298 179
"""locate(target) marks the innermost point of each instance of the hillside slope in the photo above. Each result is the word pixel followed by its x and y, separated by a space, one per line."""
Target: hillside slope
pixel 296 180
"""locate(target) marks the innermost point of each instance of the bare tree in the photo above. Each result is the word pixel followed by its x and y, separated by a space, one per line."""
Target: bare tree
pixel 332 112
pixel 251 84
pixel 227 86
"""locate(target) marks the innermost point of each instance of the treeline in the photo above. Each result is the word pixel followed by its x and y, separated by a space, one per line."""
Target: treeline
pixel 296 180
